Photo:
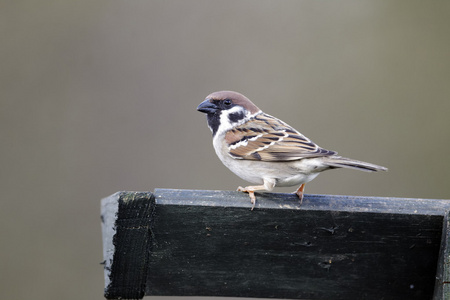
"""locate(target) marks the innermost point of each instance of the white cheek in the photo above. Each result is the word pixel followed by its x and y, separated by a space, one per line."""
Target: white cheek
pixel 225 123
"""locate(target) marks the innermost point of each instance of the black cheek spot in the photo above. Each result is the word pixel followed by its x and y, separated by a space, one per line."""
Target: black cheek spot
pixel 235 117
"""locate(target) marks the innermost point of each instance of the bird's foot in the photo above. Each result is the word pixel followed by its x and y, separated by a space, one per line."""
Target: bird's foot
pixel 251 194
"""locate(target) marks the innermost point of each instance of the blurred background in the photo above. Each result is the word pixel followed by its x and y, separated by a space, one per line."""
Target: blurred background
pixel 101 96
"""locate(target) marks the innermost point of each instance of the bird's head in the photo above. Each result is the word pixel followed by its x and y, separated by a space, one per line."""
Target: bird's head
pixel 226 109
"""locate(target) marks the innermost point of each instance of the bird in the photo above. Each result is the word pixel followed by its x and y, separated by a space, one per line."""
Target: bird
pixel 264 150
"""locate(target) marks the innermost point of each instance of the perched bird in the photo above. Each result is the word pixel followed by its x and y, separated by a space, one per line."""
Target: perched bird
pixel 264 150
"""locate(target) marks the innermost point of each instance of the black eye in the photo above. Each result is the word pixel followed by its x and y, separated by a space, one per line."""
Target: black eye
pixel 227 102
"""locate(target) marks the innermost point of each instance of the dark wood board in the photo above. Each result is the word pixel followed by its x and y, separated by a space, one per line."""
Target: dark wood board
pixel 209 243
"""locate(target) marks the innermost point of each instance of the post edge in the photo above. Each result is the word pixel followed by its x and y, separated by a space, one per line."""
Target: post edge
pixel 442 283
pixel 109 210
pixel 127 219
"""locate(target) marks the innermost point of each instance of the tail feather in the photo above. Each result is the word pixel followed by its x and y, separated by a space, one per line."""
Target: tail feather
pixel 343 162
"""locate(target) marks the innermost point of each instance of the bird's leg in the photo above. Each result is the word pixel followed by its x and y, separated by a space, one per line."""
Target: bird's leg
pixel 251 192
pixel 299 193
pixel 268 185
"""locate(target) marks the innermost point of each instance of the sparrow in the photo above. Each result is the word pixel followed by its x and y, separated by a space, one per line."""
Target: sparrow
pixel 264 150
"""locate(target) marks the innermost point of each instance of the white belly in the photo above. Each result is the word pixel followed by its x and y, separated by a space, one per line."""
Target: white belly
pixel 285 174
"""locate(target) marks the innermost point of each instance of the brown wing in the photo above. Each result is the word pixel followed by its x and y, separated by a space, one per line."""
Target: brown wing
pixel 269 139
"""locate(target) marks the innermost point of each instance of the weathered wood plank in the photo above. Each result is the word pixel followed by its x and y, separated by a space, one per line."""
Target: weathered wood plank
pixel 209 243
pixel 310 252
pixel 442 285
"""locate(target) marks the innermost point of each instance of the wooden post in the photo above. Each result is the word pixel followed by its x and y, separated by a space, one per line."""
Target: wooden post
pixel 127 240
pixel 209 243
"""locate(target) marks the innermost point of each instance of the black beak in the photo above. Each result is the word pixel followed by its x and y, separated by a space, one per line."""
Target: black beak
pixel 207 107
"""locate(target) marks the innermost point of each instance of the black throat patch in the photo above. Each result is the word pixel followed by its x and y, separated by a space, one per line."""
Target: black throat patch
pixel 214 122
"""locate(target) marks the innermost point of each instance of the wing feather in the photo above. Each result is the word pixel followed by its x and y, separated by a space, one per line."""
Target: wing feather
pixel 266 138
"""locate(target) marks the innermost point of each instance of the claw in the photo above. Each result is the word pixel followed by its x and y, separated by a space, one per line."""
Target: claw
pixel 252 199
pixel 299 192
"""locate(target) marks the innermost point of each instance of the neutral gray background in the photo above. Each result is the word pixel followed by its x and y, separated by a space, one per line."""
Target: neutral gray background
pixel 101 96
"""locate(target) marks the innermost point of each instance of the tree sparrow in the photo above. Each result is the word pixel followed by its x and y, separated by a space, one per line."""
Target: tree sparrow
pixel 264 150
